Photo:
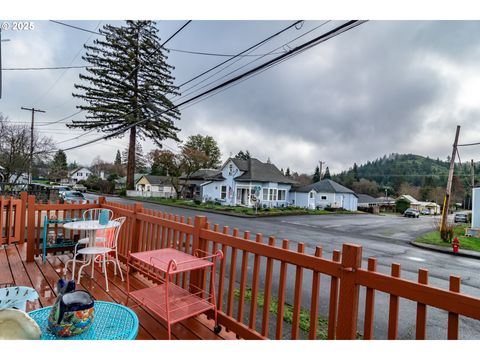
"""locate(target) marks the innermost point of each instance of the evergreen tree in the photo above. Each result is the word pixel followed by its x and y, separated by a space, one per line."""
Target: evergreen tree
pixel 118 158
pixel 243 155
pixel 355 172
pixel 327 174
pixel 59 166
pixel 281 170
pixel 287 172
pixel 128 81
pixel 316 175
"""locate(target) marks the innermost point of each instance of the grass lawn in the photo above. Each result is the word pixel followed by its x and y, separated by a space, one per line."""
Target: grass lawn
pixel 466 242
pixel 240 209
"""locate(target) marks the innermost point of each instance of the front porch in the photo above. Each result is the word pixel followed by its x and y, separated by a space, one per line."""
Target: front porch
pixel 43 277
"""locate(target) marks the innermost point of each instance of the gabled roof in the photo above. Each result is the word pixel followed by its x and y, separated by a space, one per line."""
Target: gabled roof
pixel 255 170
pixel 205 174
pixel 326 186
pixel 366 199
pixel 123 180
pixel 155 179
pixel 78 169
pixel 409 198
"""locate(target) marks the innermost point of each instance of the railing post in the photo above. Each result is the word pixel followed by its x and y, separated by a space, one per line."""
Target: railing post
pixel 101 200
pixel 23 216
pixel 199 223
pixel 349 292
pixel 9 221
pixel 31 228
pixel 137 209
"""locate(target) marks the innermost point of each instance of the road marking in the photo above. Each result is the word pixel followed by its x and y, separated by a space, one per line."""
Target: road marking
pixel 415 258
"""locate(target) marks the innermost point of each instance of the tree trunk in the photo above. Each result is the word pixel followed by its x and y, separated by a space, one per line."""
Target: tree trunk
pixel 131 159
pixel 133 132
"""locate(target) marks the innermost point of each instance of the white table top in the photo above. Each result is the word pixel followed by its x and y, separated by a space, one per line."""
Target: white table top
pixel 90 225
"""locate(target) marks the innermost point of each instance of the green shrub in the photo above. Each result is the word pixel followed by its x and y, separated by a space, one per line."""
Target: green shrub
pixel 197 202
pixel 122 192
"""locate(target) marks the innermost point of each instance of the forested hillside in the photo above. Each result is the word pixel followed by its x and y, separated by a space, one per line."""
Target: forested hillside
pixel 419 176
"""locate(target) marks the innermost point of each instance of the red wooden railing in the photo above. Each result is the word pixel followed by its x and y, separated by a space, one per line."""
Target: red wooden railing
pixel 12 216
pixel 280 277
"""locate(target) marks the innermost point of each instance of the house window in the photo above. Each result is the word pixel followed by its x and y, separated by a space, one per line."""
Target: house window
pixel 230 169
pixel 312 195
pixel 272 194
pixel 281 195
pixel 223 193
pixel 324 197
pixel 265 194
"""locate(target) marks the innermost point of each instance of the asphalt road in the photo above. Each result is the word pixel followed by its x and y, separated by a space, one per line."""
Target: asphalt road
pixel 384 237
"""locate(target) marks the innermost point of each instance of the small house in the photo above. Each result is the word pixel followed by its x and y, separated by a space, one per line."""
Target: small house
pixel 79 174
pixel 323 194
pixel 154 186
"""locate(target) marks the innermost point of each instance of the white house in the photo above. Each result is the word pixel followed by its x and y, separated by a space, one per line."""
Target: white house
pixel 153 186
pixel 79 174
pixel 324 193
pixel 247 182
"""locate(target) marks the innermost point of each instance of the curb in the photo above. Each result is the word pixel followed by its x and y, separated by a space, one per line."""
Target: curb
pixel 464 253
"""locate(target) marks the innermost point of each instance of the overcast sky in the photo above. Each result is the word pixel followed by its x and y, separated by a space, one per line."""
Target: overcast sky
pixel 383 87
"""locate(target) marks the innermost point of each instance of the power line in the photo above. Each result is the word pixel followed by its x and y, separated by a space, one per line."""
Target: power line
pixel 75 27
pixel 47 68
pixel 261 42
pixel 317 40
pixel 245 65
pixel 472 144
pixel 176 32
pixel 240 53
pixel 217 54
pixel 62 119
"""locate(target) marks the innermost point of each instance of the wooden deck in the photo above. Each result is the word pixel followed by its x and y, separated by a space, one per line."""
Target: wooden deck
pixel 44 276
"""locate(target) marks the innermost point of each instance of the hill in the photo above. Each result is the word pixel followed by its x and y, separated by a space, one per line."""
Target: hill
pixel 400 173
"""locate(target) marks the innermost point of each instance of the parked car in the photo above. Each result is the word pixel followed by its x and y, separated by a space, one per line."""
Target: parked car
pixel 425 212
pixel 460 217
pixel 79 187
pixel 73 197
pixel 411 213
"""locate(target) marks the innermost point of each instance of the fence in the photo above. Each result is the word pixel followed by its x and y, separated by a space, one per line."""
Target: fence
pixel 160 194
pixel 12 216
pixel 255 303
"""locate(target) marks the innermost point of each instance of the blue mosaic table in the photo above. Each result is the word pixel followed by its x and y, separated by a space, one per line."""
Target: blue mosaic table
pixel 111 322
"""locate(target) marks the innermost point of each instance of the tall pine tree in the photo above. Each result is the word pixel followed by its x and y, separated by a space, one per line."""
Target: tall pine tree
pixel 316 175
pixel 327 174
pixel 129 81
pixel 118 158
pixel 59 166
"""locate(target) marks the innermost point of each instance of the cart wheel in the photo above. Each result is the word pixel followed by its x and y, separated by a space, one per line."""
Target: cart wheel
pixel 217 329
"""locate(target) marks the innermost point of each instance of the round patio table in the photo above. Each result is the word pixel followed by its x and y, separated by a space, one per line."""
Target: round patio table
pixel 111 322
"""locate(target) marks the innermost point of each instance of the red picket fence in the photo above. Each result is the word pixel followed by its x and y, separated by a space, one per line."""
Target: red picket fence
pixel 12 217
pixel 268 281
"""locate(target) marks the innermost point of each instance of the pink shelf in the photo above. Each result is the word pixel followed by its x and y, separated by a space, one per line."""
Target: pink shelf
pixel 161 258
pixel 182 304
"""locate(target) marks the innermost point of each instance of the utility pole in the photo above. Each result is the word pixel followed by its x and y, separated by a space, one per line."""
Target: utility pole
pixel 320 168
pixel 473 183
pixel 33 110
pixel 446 200
pixel 1 61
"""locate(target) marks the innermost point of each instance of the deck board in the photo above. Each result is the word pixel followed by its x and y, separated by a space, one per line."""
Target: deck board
pixel 43 276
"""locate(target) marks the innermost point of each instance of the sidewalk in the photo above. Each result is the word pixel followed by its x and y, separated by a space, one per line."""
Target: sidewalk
pixel 447 250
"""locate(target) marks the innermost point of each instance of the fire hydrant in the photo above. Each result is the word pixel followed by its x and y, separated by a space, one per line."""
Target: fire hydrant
pixel 455 245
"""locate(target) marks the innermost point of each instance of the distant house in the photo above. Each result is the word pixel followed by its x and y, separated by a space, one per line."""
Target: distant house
pixel 121 183
pixel 246 183
pixel 79 174
pixel 324 193
pixel 153 186
pixel 192 185
pixel 410 201
pixel 365 200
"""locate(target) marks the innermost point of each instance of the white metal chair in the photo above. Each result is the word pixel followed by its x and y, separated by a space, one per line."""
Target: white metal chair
pixel 103 250
pixel 91 214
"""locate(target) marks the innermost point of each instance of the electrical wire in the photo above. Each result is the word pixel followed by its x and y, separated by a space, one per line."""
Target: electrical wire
pixel 317 40
pixel 216 54
pixel 47 68
pixel 75 27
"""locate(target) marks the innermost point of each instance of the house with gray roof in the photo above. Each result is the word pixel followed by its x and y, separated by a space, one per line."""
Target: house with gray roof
pixel 324 193
pixel 247 182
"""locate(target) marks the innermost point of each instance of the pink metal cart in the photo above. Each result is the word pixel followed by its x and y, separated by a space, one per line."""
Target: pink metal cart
pixel 169 301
